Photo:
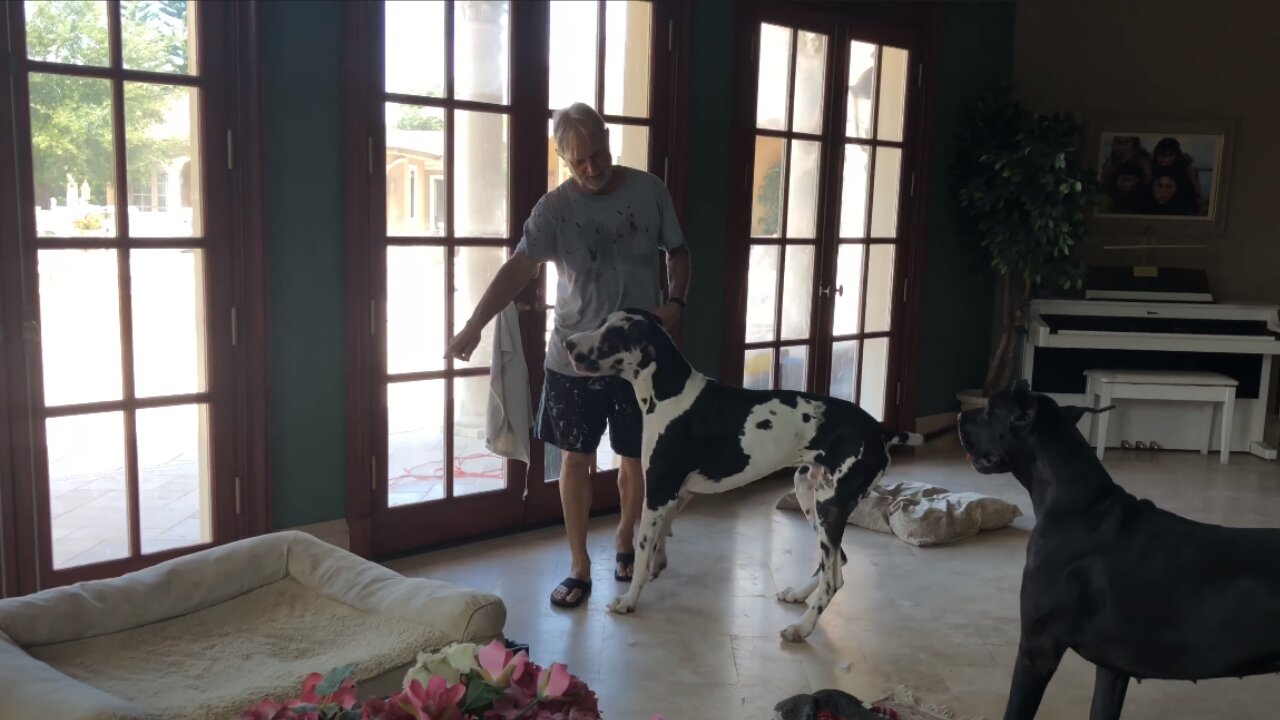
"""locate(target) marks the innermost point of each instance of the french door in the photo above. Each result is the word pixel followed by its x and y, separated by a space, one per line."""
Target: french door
pixel 822 244
pixel 456 135
pixel 120 288
pixel 601 54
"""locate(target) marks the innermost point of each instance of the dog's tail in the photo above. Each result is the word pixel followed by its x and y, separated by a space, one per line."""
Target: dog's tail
pixel 909 439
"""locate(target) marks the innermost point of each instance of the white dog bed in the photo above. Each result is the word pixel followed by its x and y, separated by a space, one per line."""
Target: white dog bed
pixel 922 514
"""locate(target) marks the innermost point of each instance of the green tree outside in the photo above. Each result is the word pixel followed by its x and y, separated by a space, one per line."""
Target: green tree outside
pixel 71 117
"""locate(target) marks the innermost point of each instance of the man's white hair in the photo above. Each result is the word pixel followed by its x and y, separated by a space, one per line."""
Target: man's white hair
pixel 577 118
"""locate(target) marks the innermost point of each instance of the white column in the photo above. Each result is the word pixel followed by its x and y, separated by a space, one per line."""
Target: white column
pixel 480 168
pixel 176 216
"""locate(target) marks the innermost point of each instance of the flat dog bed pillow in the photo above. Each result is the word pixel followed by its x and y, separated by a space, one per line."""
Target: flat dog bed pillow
pixel 922 514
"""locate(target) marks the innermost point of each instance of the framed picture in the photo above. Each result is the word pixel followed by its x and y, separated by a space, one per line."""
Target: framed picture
pixel 1162 176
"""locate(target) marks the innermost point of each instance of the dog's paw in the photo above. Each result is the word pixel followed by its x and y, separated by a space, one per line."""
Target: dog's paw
pixel 794 634
pixel 792 595
pixel 622 606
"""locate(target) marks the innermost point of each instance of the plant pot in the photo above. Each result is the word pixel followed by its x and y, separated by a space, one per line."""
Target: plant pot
pixel 971 399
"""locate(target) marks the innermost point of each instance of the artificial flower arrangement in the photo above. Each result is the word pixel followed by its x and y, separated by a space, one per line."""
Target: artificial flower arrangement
pixel 461 682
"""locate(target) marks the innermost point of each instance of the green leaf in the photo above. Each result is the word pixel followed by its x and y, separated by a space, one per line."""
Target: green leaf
pixel 480 693
pixel 329 685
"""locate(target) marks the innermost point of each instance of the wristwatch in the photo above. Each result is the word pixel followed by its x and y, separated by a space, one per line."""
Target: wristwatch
pixel 677 301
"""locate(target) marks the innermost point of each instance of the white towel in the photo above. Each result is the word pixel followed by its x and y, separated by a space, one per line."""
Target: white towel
pixel 509 417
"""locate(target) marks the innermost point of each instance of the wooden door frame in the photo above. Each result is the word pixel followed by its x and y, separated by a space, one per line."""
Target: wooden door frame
pixel 10 331
pixel 529 52
pixel 913 25
pixel 235 301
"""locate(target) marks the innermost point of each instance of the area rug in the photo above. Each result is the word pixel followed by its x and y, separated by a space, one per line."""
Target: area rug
pixel 907 706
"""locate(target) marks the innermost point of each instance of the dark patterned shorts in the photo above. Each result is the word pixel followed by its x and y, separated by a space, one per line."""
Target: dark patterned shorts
pixel 574 410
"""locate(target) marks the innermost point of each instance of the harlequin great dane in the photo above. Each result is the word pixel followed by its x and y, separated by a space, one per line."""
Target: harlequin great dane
pixel 703 437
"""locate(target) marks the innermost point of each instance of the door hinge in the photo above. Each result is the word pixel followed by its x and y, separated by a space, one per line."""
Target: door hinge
pixel 370 146
pixel 920 75
pixel 239 496
pixel 899 402
pixel 373 473
pixel 235 326
pixel 912 191
pixel 231 157
pixel 666 167
pixel 671 35
pixel 906 282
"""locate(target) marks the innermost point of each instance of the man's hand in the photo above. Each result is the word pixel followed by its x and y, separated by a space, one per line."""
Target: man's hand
pixel 670 315
pixel 464 343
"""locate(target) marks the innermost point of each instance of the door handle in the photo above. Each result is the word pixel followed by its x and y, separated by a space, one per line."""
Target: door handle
pixel 530 307
pixel 826 291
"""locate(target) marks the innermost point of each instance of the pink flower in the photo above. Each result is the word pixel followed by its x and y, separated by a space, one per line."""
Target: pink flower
pixel 554 682
pixel 501 666
pixel 344 697
pixel 268 709
pixel 435 701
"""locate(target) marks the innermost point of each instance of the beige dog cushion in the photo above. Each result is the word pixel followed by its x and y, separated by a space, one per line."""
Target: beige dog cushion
pixel 922 514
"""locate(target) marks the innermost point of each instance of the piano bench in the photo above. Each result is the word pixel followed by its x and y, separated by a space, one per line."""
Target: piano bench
pixel 1105 386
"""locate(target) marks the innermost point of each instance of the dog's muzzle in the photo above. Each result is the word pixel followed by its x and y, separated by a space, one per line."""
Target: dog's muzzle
pixel 984 463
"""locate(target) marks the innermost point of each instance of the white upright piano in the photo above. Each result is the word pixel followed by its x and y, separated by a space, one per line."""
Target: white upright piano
pixel 1133 319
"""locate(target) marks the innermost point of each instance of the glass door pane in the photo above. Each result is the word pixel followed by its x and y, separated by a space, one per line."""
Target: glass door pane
pixel 125 446
pixel 823 245
pixel 611 72
pixel 866 255
pixel 447 206
pixel 785 207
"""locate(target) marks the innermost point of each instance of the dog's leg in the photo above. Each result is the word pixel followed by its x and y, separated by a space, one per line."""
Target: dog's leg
pixel 1109 688
pixel 833 512
pixel 660 555
pixel 806 481
pixel 653 522
pixel 1031 674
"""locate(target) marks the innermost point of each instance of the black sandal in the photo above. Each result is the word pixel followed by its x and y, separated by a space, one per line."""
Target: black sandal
pixel 627 559
pixel 570 584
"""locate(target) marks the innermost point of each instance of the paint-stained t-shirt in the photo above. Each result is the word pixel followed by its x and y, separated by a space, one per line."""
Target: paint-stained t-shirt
pixel 606 250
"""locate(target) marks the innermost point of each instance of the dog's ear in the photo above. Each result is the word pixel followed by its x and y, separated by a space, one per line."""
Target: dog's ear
pixel 1024 401
pixel 1073 413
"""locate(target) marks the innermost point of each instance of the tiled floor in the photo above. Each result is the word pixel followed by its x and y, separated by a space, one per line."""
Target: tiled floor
pixel 942 621
pixel 90 516
pixel 417 466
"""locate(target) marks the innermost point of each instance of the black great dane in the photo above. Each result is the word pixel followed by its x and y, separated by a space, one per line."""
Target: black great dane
pixel 703 437
pixel 1135 590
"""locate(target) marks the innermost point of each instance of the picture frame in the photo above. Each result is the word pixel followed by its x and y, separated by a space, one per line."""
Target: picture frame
pixel 1160 176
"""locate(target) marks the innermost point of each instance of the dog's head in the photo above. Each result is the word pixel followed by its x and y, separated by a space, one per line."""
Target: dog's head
pixel 996 437
pixel 629 342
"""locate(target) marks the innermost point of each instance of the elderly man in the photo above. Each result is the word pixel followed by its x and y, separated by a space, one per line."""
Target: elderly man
pixel 604 229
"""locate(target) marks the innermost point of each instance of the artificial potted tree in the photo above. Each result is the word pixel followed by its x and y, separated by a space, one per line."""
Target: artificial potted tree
pixel 1022 188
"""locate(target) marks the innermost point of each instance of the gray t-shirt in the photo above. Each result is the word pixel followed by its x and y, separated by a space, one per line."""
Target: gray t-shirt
pixel 605 248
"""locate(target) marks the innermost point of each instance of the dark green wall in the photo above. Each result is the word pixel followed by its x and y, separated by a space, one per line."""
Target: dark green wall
pixel 975 56
pixel 710 116
pixel 303 88
pixel 304 230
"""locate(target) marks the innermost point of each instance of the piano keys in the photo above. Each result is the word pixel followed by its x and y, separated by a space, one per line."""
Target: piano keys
pixel 1067 337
